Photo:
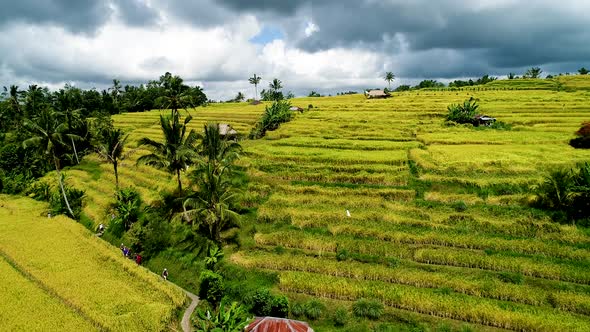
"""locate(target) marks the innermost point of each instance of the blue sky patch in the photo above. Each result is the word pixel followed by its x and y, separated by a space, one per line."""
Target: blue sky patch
pixel 267 35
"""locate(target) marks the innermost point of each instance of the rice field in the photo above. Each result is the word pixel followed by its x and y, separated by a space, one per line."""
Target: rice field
pixel 438 222
pixel 59 276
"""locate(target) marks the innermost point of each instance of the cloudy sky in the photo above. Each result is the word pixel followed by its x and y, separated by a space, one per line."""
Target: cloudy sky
pixel 322 45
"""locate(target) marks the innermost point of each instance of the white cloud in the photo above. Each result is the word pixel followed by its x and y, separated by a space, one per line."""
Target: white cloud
pixel 310 29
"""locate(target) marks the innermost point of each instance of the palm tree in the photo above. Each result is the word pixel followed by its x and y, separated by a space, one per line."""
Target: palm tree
pixel 176 152
pixel 215 199
pixel 389 77
pixel 255 80
pixel 212 206
pixel 111 148
pixel 176 95
pixel 73 118
pixel 48 134
pixel 217 150
pixel 276 85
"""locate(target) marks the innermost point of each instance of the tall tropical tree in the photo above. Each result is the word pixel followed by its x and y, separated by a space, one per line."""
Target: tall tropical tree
pixel 47 133
pixel 212 206
pixel 176 95
pixel 389 77
pixel 255 80
pixel 110 147
pixel 73 117
pixel 176 152
pixel 275 85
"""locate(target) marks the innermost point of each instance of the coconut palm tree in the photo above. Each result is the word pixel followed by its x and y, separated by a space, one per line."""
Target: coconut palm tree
pixel 48 134
pixel 176 152
pixel 255 80
pixel 275 85
pixel 111 148
pixel 212 206
pixel 176 95
pixel 389 77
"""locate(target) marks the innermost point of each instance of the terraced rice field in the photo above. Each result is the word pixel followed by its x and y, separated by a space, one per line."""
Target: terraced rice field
pixel 438 224
pixel 59 277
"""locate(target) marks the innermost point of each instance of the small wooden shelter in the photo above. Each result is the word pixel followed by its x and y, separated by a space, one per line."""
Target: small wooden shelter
pixel 226 131
pixel 272 324
pixel 483 120
pixel 296 109
pixel 376 94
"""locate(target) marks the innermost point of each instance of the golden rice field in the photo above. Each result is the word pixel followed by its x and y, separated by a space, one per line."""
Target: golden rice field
pixel 438 220
pixel 57 276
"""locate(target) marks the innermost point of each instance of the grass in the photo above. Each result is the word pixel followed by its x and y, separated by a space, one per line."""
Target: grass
pixel 69 274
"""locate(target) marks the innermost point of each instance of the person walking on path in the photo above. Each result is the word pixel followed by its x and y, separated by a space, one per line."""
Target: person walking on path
pixel 138 259
pixel 165 274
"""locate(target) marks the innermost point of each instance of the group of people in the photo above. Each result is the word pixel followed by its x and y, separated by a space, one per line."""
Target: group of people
pixel 128 254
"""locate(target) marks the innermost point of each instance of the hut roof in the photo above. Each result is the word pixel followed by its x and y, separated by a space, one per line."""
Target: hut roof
pixel 271 324
pixel 226 130
pixel 377 93
pixel 295 108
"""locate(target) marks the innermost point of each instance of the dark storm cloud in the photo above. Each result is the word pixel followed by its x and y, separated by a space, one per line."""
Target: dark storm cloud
pixel 74 15
pixel 136 12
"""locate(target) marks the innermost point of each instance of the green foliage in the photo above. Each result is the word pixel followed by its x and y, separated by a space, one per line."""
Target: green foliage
pixel 389 77
pixel 402 88
pixel 583 71
pixel 264 303
pixel 314 309
pixel 429 84
pixel 463 113
pixel 297 309
pixel 342 255
pixel 211 288
pixel 314 94
pixel 534 72
pixel 128 208
pixel 215 255
pixel 340 316
pixel 229 317
pixel 58 204
pixel 511 277
pixel 459 206
pixel 365 308
pixel 110 145
pixel 566 194
pixel 273 117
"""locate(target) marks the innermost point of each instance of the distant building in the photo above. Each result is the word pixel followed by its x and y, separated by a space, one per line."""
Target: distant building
pixel 376 94
pixel 271 324
pixel 483 120
pixel 226 131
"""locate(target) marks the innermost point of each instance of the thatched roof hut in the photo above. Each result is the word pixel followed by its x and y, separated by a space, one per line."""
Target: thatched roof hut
pixel 376 94
pixel 483 120
pixel 226 130
pixel 272 324
pixel 296 109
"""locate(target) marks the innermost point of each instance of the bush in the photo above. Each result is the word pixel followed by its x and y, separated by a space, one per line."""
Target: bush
pixel 297 309
pixel 511 277
pixel 463 113
pixel 211 288
pixel 279 112
pixel 583 139
pixel 264 303
pixel 58 205
pixel 314 309
pixel 340 317
pixel 342 255
pixel 459 206
pixel 365 308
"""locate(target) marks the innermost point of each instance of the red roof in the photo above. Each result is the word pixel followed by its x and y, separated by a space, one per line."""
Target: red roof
pixel 271 324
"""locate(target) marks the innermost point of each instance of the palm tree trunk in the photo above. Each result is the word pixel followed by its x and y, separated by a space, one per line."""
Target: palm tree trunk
pixel 61 185
pixel 255 91
pixel 75 152
pixel 116 175
pixel 179 182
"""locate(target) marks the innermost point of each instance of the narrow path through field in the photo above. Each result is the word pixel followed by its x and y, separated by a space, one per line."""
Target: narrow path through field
pixel 186 319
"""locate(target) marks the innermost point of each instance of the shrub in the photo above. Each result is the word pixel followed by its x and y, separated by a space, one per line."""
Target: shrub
pixel 583 139
pixel 314 309
pixel 264 303
pixel 342 255
pixel 211 288
pixel 463 113
pixel 297 309
pixel 340 316
pixel 511 277
pixel 279 112
pixel 365 308
pixel 230 317
pixel 58 204
pixel 460 206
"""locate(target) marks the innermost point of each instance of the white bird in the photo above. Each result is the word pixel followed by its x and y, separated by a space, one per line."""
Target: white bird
pixel 348 213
